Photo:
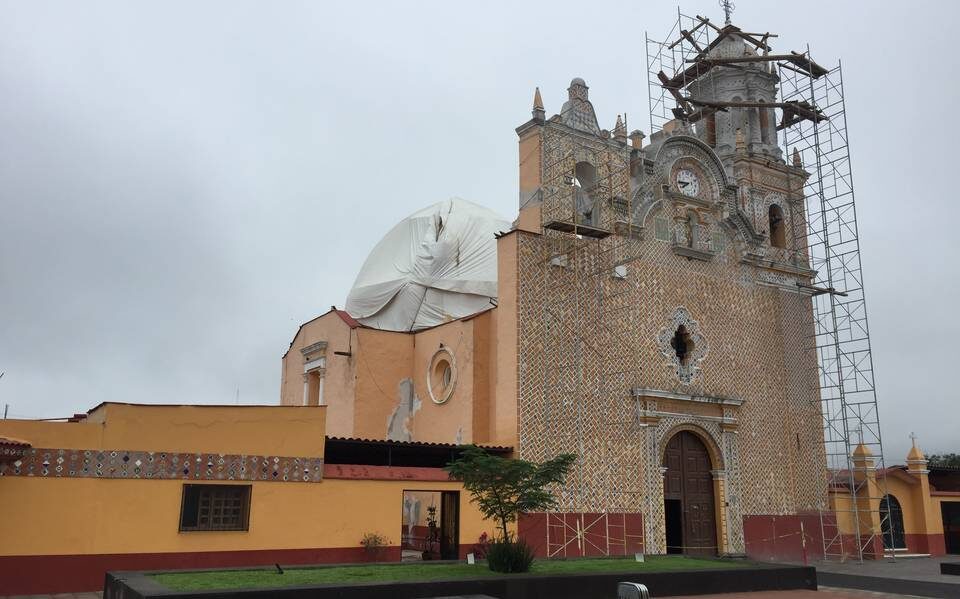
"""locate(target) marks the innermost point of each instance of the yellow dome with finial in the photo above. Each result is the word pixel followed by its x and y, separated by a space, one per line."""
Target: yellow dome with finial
pixel 915 454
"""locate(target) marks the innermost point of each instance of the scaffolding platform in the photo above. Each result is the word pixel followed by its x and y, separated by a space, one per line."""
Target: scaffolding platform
pixel 584 230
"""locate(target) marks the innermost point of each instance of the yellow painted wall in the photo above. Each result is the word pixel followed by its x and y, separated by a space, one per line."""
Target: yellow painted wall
pixel 251 430
pixel 90 516
pixel 916 520
pixel 47 516
pixel 907 496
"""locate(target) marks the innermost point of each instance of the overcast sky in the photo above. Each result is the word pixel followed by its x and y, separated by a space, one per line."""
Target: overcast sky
pixel 183 183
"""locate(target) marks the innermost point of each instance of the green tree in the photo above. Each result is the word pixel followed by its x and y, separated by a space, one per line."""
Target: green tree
pixel 503 488
pixel 944 460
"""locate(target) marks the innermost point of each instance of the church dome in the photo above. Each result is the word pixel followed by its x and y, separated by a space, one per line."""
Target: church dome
pixel 436 265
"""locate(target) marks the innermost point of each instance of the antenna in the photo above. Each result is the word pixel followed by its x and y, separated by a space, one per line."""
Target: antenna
pixel 728 8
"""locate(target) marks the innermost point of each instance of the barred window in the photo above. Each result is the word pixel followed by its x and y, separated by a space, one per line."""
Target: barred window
pixel 661 230
pixel 719 241
pixel 215 507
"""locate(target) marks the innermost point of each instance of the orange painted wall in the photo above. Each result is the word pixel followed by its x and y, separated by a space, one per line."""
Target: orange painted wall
pixel 364 391
pixel 384 359
pixel 484 351
pixel 451 421
pixel 339 379
pixel 503 346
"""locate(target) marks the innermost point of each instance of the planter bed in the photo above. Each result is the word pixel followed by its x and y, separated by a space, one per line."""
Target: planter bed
pixel 556 579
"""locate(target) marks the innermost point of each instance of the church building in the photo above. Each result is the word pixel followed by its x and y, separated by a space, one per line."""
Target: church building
pixel 648 309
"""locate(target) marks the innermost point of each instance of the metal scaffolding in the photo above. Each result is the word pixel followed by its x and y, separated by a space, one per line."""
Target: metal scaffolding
pixel 582 332
pixel 812 130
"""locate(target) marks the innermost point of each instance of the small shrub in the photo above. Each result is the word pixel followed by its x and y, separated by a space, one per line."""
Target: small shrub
pixel 375 545
pixel 510 556
pixel 482 547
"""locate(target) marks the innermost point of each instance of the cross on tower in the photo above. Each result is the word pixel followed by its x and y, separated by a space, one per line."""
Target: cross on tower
pixel 727 7
pixel 913 438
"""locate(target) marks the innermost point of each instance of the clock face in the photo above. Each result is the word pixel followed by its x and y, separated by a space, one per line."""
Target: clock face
pixel 688 183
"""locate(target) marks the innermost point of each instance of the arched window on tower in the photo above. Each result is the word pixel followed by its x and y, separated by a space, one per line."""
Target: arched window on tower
pixel 778 234
pixel 585 183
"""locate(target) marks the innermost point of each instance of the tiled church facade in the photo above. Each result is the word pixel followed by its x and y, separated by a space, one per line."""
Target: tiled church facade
pixel 648 290
pixel 597 373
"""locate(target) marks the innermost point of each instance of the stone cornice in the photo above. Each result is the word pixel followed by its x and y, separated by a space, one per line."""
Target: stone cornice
pixel 790 269
pixel 313 348
pixel 689 252
pixel 660 394
pixel 612 143
pixel 685 199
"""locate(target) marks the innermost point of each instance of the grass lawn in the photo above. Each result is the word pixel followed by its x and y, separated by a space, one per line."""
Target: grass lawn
pixel 235 579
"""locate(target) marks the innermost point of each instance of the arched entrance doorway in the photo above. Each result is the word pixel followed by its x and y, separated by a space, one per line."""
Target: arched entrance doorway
pixel 688 497
pixel 891 523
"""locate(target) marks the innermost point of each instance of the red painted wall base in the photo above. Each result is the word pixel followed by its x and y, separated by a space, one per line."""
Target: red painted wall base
pixel 932 544
pixel 779 538
pixel 577 534
pixel 34 574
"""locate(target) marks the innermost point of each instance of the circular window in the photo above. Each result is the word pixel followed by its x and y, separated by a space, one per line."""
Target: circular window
pixel 441 376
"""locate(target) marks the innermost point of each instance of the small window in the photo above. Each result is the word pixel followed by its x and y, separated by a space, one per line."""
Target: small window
pixel 215 507
pixel 441 376
pixel 718 243
pixel 778 237
pixel 682 345
pixel 660 229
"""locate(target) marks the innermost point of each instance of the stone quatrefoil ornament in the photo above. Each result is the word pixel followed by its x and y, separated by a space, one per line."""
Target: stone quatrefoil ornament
pixel 682 342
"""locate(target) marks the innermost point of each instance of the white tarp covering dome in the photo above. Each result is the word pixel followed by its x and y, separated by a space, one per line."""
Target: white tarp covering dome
pixel 438 264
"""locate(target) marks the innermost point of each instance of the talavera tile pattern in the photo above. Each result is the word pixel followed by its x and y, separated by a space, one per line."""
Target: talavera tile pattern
pixel 596 376
pixel 98 463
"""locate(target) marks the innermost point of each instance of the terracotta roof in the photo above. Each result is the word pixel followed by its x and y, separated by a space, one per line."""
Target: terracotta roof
pixel 347 318
pixel 496 448
pixel 11 442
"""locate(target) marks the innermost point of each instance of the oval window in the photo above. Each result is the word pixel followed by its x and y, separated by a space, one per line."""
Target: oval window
pixel 441 376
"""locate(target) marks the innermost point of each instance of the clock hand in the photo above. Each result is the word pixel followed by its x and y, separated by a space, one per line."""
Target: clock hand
pixel 683 183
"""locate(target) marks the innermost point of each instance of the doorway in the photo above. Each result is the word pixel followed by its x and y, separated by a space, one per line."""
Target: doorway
pixel 430 526
pixel 950 510
pixel 891 523
pixel 689 510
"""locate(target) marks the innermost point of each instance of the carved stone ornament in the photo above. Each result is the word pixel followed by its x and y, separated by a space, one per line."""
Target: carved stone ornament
pixel 686 361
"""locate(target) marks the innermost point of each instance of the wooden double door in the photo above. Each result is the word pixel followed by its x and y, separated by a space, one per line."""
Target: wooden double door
pixel 689 509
